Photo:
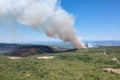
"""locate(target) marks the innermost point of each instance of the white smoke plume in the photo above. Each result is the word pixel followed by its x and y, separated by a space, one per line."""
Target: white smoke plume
pixel 42 14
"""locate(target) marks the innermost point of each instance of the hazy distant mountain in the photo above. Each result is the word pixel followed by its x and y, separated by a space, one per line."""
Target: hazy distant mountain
pixel 53 43
pixel 104 43
pixel 69 45
pixel 94 43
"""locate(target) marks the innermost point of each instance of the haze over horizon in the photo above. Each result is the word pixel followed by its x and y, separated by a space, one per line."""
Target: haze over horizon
pixel 94 20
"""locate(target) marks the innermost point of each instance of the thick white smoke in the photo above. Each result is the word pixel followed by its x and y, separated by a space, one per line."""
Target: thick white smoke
pixel 42 14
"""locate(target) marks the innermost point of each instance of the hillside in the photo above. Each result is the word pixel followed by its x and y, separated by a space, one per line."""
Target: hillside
pixel 27 49
pixel 78 65
pixel 23 50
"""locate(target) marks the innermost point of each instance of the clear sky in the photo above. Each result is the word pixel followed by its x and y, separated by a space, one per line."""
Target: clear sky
pixel 94 20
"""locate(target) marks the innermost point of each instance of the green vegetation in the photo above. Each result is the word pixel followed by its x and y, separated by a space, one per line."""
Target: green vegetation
pixel 78 65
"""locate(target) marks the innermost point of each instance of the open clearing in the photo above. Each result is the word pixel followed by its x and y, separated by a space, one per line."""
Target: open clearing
pixel 46 57
pixel 117 71
pixel 41 57
pixel 13 57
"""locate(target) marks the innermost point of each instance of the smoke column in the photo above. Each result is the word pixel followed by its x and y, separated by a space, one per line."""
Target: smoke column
pixel 42 14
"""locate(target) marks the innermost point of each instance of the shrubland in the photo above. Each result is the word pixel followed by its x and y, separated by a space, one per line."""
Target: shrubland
pixel 75 65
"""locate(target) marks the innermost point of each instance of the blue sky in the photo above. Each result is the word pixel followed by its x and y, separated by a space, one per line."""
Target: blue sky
pixel 94 20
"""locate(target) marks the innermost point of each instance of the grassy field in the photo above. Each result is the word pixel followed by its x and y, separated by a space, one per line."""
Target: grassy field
pixel 78 65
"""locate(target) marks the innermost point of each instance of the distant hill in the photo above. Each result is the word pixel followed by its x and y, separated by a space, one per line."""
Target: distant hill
pixel 24 50
pixel 29 49
pixel 6 48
